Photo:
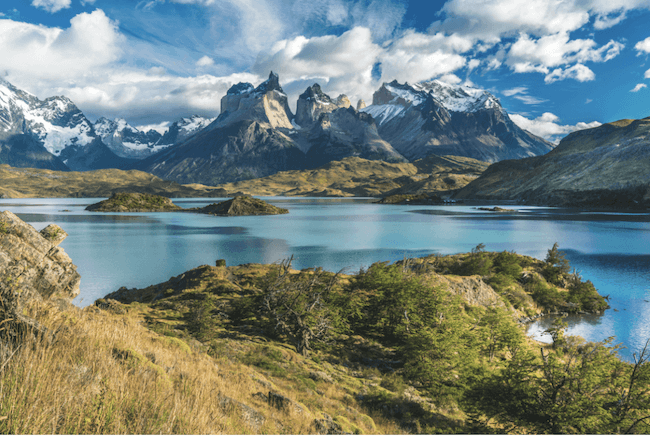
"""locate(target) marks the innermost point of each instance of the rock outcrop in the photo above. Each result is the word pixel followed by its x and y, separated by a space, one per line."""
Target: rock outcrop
pixel 134 202
pixel 32 267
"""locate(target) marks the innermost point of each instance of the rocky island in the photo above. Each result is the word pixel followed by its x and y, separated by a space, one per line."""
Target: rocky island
pixel 134 202
pixel 241 205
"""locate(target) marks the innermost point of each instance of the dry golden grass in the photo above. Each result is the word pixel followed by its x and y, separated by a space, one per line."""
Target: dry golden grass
pixel 354 176
pixel 31 183
pixel 105 373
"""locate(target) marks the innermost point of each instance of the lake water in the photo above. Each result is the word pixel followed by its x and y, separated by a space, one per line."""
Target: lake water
pixel 139 249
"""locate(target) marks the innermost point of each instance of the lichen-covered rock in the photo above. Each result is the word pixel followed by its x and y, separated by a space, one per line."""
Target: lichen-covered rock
pixel 32 267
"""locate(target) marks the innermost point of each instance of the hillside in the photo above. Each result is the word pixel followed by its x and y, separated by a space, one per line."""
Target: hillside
pixel 355 176
pixel 606 166
pixel 40 183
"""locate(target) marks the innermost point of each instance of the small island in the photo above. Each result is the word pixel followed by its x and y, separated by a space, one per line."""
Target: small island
pixel 134 202
pixel 241 205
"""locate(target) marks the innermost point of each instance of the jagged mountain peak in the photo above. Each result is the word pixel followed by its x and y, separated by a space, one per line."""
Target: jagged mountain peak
pixel 460 98
pixel 240 88
pixel 266 104
pixel 314 102
pixel 271 84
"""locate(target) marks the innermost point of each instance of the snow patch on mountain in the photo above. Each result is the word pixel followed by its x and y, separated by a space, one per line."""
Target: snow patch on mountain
pixel 383 113
pixel 460 98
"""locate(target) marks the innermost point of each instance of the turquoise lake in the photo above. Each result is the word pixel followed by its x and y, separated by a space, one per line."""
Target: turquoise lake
pixel 139 249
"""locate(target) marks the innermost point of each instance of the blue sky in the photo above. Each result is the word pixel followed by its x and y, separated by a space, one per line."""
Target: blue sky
pixel 556 65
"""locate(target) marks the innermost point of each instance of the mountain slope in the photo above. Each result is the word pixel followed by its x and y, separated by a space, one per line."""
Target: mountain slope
pixel 604 166
pixel 438 118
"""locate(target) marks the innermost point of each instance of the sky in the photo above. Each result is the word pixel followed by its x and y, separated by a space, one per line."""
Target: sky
pixel 555 65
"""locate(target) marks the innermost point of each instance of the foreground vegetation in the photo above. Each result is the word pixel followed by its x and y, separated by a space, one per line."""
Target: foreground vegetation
pixel 420 346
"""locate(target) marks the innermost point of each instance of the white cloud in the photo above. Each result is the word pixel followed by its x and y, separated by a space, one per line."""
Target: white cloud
pixel 87 2
pixel 529 99
pixel 515 91
pixel 205 61
pixel 521 94
pixel 647 74
pixel 52 6
pixel 639 87
pixel 36 53
pixel 538 55
pixel 605 21
pixel 643 46
pixel 142 98
pixel 578 72
pixel 548 127
pixel 489 20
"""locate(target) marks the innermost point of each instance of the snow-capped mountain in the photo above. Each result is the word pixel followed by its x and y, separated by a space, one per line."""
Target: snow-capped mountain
pixel 438 118
pixel 57 125
pixel 125 140
pixel 182 129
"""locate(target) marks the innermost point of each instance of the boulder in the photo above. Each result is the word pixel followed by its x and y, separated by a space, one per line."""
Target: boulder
pixel 32 268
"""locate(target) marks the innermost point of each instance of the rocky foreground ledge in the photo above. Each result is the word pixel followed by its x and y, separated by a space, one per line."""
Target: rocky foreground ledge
pixel 241 205
pixel 32 267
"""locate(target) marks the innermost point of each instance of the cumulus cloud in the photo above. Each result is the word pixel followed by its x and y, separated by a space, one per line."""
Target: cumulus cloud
pixel 539 55
pixel 578 72
pixel 52 6
pixel 32 53
pixel 490 20
pixel 647 74
pixel 144 99
pixel 548 126
pixel 639 87
pixel 643 46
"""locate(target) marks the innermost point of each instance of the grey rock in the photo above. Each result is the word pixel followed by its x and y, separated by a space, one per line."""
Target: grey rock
pixel 32 267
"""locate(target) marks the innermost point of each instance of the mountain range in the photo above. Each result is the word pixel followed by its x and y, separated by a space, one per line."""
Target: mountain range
pixel 257 135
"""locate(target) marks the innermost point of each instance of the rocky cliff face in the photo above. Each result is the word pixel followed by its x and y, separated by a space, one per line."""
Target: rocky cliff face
pixel 266 104
pixel 66 137
pixel 442 119
pixel 346 132
pixel 314 102
pixel 606 166
pixel 32 267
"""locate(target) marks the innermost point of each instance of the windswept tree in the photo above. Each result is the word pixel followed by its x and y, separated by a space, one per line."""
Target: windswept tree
pixel 297 305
